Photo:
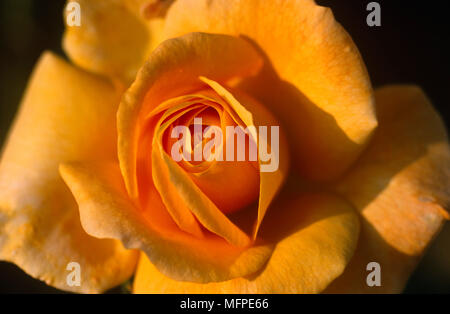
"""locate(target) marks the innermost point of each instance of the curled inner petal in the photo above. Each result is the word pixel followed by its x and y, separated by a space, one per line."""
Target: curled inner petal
pixel 198 187
pixel 188 78
pixel 230 184
pixel 188 185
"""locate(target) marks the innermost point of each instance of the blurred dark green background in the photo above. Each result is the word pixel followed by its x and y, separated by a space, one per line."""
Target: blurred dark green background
pixel 409 47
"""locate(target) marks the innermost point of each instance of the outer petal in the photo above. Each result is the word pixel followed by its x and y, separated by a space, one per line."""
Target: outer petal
pixel 314 80
pixel 107 212
pixel 172 70
pixel 113 38
pixel 66 114
pixel 401 185
pixel 315 235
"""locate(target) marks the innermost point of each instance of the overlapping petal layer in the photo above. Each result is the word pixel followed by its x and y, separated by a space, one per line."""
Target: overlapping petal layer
pixel 173 70
pixel 317 240
pixel 114 39
pixel 107 212
pixel 66 114
pixel 178 191
pixel 251 113
pixel 167 89
pixel 401 187
pixel 314 78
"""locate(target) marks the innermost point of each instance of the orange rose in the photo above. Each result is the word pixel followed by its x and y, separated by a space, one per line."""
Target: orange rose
pixel 87 172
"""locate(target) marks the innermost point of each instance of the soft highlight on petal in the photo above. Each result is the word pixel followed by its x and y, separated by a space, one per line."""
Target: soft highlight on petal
pixel 111 40
pixel 107 212
pixel 401 186
pixel 317 239
pixel 314 78
pixel 66 114
pixel 173 70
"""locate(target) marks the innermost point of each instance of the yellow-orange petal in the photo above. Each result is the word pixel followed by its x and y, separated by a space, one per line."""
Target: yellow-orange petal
pixel 66 114
pixel 254 114
pixel 154 8
pixel 180 194
pixel 172 70
pixel 401 186
pixel 112 38
pixel 173 184
pixel 314 78
pixel 107 212
pixel 163 180
pixel 315 238
pixel 231 185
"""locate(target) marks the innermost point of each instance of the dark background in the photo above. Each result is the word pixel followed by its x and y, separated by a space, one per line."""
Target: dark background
pixel 409 47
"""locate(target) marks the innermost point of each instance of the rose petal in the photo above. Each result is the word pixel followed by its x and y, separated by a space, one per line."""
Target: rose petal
pixel 180 194
pixel 175 184
pixel 231 185
pixel 162 181
pixel 172 70
pixel 316 236
pixel 112 40
pixel 66 114
pixel 107 212
pixel 401 185
pixel 254 114
pixel 314 80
